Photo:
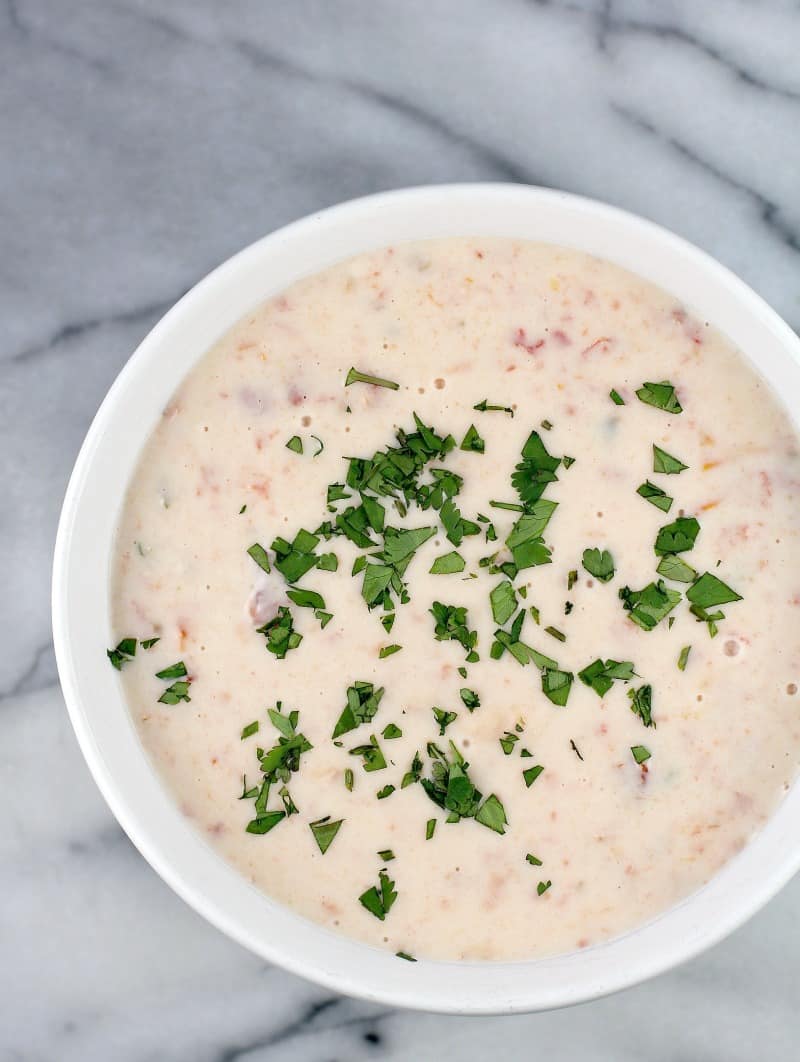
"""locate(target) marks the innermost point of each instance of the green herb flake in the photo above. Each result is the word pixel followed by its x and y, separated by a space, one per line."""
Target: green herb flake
pixel 280 633
pixel 123 653
pixel 470 698
pixel 616 397
pixel 484 407
pixel 250 729
pixel 554 632
pixel 373 758
pixel 472 441
pixel 349 779
pixel 508 741
pixel 405 955
pixel 599 563
pixel 387 790
pixel 391 731
pixel 148 643
pixel 414 773
pixel 386 855
pixel 675 568
pixel 642 704
pixel 661 395
pixel 388 650
pixel 655 495
pixel 174 694
pixel 492 814
pixel 243 509
pixel 173 671
pixel 354 376
pixel 535 471
pixel 709 591
pixel 295 444
pixel 567 462
pixel 648 606
pixel 363 701
pixel 640 753
pixel 556 685
pixel 324 832
pixel 503 601
pixel 531 774
pixel 448 564
pixel 430 828
pixel 600 675
pixel 379 901
pixel 684 657
pixel 531 858
pixel 666 463
pixel 542 887
pixel 443 719
pixel 264 823
pixel 677 537
pixel 451 623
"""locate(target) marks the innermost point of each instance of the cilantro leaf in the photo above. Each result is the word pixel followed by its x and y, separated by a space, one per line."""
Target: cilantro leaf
pixel 650 605
pixel 492 814
pixel 710 591
pixel 537 468
pixel 448 564
pixel 642 704
pixel 472 441
pixel 363 701
pixel 503 601
pixel 280 633
pixel 677 537
pixel 661 395
pixel 379 901
pixel 599 563
pixel 666 463
pixel 655 495
pixel 324 832
pixel 354 376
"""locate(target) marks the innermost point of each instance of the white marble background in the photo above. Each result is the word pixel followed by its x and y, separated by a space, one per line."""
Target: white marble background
pixel 142 142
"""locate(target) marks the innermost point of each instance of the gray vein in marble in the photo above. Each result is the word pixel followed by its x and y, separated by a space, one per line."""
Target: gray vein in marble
pixel 40 674
pixel 78 329
pixel 768 210
pixel 35 36
pixel 610 23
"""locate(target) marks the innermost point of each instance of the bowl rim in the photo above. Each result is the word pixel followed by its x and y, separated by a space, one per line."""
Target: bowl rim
pixel 94 699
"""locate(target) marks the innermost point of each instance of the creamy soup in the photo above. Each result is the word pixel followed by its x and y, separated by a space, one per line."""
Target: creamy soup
pixel 473 569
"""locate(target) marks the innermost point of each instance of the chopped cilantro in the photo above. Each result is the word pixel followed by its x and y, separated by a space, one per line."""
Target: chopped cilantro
pixel 473 441
pixel 642 704
pixel 385 792
pixel 537 468
pixel 448 564
pixel 650 605
pixel 599 563
pixel 124 652
pixel 470 698
pixel 616 397
pixel 260 556
pixel 379 901
pixel 173 671
pixel 388 650
pixel 250 729
pixel 295 444
pixel 666 463
pixel 531 858
pixel 655 495
pixel 450 623
pixel 710 591
pixel 349 779
pixel 148 643
pixel 386 854
pixel 391 731
pixel 414 773
pixel 484 407
pixel 556 685
pixel 405 955
pixel 554 632
pixel 677 537
pixel 443 719
pixel 640 753
pixel 542 887
pixel 531 774
pixel 430 827
pixel 600 676
pixel 324 832
pixel 503 601
pixel 363 701
pixel 354 376
pixel 373 758
pixel 491 813
pixel 280 633
pixel 178 691
pixel 675 568
pixel 661 395
pixel 684 657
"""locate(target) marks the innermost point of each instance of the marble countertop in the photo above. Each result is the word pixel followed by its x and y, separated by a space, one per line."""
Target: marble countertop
pixel 143 143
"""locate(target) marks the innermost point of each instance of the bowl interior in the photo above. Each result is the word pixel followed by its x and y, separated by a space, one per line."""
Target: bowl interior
pixel 81 596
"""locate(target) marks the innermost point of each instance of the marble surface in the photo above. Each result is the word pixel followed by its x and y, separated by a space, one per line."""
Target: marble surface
pixel 142 143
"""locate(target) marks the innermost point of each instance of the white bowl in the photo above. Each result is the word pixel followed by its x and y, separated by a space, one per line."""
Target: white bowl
pixel 83 560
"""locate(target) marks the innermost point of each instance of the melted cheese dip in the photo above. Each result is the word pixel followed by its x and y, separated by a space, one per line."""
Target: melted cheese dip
pixel 548 332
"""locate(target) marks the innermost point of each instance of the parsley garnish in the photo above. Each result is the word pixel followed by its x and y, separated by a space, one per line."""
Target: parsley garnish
pixel 531 774
pixel 388 650
pixel 294 559
pixel 650 605
pixel 280 633
pixel 531 858
pixel 405 955
pixel 470 698
pixel 600 676
pixel 391 731
pixel 675 568
pixel 640 753
pixel 259 555
pixel 537 468
pixel 349 779
pixel 554 632
pixel 173 671
pixel 491 813
pixel 249 730
pixel 525 540
pixel 642 704
pixel 666 463
pixel 386 854
pixel 599 563
pixel 655 495
pixel 414 772
pixel 363 701
pixel 709 591
pixel 178 691
pixel 542 887
pixel 148 643
pixel 124 652
pixel 295 444
pixel 324 832
pixel 616 397
pixel 684 657
pixel 508 741
pixel 373 758
pixel 430 827
pixel 472 441
pixel 443 719
pixel 277 765
pixel 503 601
pixel 448 564
pixel 379 901
pixel 484 407
pixel 556 685
pixel 661 395
pixel 451 624
pixel 677 537
pixel 385 792
pixel 354 376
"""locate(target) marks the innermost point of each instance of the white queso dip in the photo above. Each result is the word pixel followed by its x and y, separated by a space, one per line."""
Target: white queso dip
pixel 457 599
